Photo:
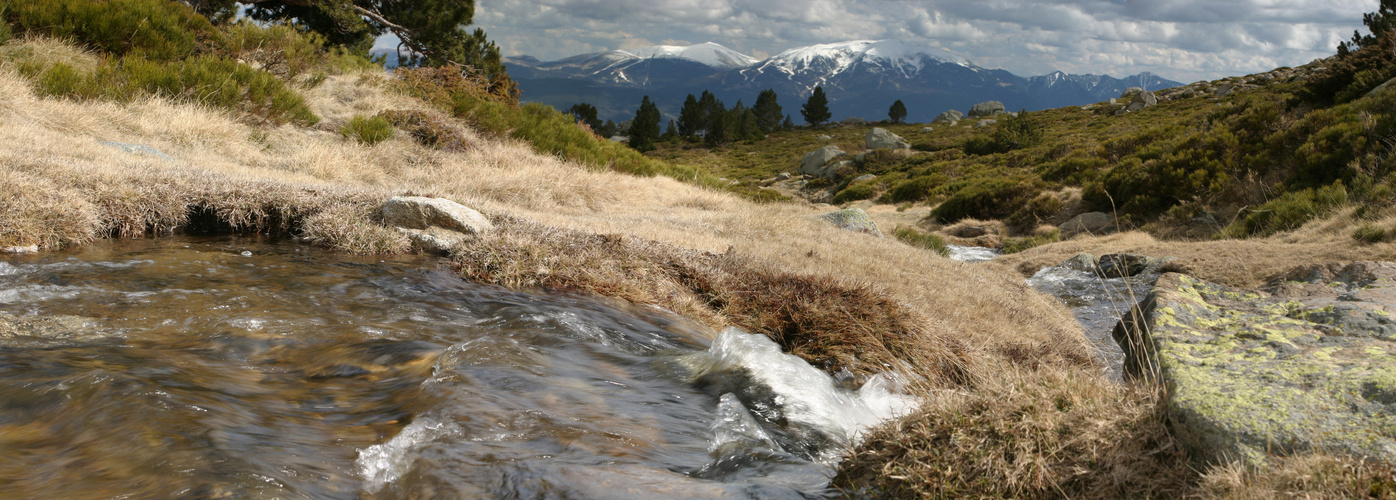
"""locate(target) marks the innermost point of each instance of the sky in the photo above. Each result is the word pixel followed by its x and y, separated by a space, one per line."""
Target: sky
pixel 1185 40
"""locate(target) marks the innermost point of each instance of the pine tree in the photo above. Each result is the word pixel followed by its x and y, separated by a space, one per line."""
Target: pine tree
pixel 898 111
pixel 719 127
pixel 607 130
pixel 644 129
pixel 670 132
pixel 767 110
pixel 708 110
pixel 690 118
pixel 816 109
pixel 433 32
pixel 586 113
pixel 1380 23
pixel 787 124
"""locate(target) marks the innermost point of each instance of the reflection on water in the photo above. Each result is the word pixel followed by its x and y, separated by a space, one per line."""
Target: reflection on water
pixel 236 368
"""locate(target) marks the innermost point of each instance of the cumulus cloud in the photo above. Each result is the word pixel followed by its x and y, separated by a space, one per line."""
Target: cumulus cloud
pixel 1180 39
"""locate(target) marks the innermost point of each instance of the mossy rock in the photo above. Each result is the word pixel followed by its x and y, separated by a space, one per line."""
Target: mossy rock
pixel 1250 374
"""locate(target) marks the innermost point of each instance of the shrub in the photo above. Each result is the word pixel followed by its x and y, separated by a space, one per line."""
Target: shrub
pixel 918 239
pixel 1368 233
pixel 287 52
pixel 426 130
pixel 367 131
pixel 993 198
pixel 1289 211
pixel 161 30
pixel 1039 209
pixel 914 189
pixel 1015 245
pixel 855 192
pixel 203 79
pixel 1016 132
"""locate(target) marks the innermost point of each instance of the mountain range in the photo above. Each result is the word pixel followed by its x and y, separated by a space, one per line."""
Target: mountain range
pixel 861 78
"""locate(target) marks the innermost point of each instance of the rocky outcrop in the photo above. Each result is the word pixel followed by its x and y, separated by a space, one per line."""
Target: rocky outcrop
pixel 950 117
pixel 819 163
pixel 989 108
pixel 853 219
pixel 434 224
pixel 985 122
pixel 1307 364
pixel 881 138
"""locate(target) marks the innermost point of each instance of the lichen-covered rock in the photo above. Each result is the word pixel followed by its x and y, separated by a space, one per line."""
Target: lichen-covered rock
pixel 1250 373
pixel 418 212
pixel 817 162
pixel 987 108
pixel 853 219
pixel 950 117
pixel 881 138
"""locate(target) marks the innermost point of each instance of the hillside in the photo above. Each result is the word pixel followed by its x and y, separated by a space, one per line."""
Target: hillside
pixel 259 130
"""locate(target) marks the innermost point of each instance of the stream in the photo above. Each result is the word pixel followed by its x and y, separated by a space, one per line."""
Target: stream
pixel 236 367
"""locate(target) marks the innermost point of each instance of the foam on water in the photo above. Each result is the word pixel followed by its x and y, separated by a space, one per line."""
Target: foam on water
pixel 381 464
pixel 805 394
pixel 972 254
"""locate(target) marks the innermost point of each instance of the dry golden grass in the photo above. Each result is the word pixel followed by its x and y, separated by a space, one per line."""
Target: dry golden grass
pixel 995 356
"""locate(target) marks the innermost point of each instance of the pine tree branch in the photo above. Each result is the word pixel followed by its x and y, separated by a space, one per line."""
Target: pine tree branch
pixel 403 34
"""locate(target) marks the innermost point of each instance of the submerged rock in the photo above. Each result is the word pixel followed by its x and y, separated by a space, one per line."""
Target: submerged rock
pixel 853 219
pixel 1310 367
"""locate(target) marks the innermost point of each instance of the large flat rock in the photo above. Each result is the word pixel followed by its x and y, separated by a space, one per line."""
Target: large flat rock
pixel 1311 366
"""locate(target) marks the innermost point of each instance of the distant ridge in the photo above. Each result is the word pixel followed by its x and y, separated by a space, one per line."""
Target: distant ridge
pixel 861 77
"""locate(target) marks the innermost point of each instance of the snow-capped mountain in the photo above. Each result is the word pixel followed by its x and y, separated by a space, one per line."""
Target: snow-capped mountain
pixel 862 78
pixel 710 54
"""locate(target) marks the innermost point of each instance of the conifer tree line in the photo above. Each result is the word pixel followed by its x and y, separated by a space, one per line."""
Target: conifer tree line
pixel 706 118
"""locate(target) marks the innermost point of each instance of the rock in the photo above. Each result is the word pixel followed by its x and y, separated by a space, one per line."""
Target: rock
pixel 20 249
pixel 984 123
pixel 1380 88
pixel 418 212
pixel 927 129
pixel 881 138
pixel 816 162
pixel 949 117
pixel 1223 90
pixel 1131 92
pixel 782 176
pixel 1083 262
pixel 843 168
pixel 1250 373
pixel 1142 100
pixel 1122 265
pixel 853 219
pixel 1090 222
pixel 138 149
pixel 823 137
pixel 988 108
pixel 434 239
pixel 864 178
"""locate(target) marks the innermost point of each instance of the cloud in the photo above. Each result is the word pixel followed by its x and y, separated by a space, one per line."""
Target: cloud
pixel 1179 39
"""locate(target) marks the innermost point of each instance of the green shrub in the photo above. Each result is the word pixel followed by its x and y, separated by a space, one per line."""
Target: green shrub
pixel 918 239
pixel 205 79
pixel 914 189
pixel 367 131
pixel 1368 233
pixel 1017 132
pixel 1035 211
pixel 287 52
pixel 992 198
pixel 1289 211
pixel 161 30
pixel 1015 245
pixel 855 192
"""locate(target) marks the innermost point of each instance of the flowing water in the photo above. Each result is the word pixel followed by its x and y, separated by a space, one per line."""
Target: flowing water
pixel 1097 303
pixel 230 367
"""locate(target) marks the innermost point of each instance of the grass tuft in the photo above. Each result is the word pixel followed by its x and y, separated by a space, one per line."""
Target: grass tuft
pixel 367 131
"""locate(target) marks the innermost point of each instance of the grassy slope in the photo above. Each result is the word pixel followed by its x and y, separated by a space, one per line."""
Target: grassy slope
pixel 1005 369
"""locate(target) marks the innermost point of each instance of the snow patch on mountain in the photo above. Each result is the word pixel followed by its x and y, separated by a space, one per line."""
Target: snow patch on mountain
pixel 834 58
pixel 708 53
